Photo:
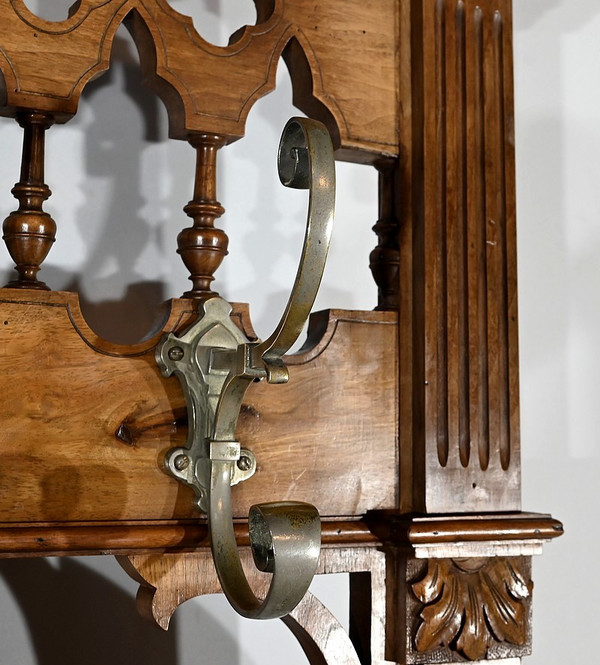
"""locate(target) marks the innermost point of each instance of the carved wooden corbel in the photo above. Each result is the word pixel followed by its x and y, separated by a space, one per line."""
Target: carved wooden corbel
pixel 471 605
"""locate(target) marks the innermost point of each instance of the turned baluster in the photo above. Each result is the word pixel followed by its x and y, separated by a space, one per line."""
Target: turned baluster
pixel 384 260
pixel 202 246
pixel 29 231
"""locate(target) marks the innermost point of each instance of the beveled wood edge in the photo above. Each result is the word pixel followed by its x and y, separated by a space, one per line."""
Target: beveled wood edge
pixel 380 530
pixel 175 313
pixel 432 530
pixel 179 312
pixel 77 538
pixel 322 326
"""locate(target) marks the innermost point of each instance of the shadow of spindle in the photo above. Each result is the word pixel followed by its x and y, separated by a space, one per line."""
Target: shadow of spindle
pixel 126 118
pixel 74 615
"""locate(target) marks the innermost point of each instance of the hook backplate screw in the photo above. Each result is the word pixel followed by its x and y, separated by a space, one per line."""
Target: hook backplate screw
pixel 176 353
pixel 244 463
pixel 182 462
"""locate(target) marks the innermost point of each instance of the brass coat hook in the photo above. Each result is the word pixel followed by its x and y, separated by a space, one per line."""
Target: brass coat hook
pixel 216 363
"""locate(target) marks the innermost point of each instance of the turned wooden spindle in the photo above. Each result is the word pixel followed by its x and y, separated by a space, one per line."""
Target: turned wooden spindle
pixel 384 260
pixel 201 246
pixel 29 231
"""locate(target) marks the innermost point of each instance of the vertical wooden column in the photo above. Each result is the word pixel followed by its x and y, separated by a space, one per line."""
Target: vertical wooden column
pixel 29 231
pixel 458 574
pixel 458 302
pixel 384 260
pixel 202 246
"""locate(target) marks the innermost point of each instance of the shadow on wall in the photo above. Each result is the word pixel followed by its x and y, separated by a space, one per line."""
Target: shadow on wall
pixel 126 118
pixel 558 105
pixel 120 217
pixel 75 615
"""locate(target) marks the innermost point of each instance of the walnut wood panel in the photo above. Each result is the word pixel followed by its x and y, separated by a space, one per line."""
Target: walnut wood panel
pixel 86 423
pixel 459 376
pixel 341 55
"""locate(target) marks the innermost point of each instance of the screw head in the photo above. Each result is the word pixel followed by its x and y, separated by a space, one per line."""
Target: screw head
pixel 182 462
pixel 244 463
pixel 176 353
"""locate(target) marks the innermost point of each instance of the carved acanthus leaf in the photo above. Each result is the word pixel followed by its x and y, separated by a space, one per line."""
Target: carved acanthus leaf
pixel 471 604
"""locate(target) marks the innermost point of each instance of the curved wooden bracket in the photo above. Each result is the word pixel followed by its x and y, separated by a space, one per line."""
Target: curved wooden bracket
pixel 167 581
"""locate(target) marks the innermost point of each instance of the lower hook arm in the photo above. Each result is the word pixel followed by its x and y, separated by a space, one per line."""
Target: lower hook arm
pixel 285 539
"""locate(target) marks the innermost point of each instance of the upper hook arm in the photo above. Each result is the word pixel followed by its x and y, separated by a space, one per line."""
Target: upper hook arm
pixel 305 161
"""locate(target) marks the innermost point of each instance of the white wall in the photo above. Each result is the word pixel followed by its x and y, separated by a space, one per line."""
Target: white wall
pixel 557 45
pixel 117 202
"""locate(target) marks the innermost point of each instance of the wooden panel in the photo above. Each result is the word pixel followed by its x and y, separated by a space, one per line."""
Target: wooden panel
pixel 86 423
pixel 354 46
pixel 336 415
pixel 461 292
pixel 341 55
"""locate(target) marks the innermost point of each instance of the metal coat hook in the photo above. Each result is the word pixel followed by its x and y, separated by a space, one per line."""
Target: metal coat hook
pixel 216 363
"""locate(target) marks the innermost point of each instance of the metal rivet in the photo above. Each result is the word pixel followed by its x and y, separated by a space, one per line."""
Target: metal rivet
pixel 244 463
pixel 176 353
pixel 182 462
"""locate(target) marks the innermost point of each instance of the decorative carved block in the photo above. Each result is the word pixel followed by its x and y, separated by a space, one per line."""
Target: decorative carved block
pixel 459 587
pixel 473 608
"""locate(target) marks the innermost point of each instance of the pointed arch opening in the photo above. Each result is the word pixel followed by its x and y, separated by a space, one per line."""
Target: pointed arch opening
pixel 307 96
pixel 220 24
pixel 122 202
pixel 52 10
pixel 265 221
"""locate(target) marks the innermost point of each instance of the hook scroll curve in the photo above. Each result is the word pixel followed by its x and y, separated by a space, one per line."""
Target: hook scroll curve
pixel 216 363
pixel 305 162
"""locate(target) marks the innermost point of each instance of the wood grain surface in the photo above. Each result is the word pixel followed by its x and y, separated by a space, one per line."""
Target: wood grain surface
pixel 166 581
pixel 458 291
pixel 86 424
